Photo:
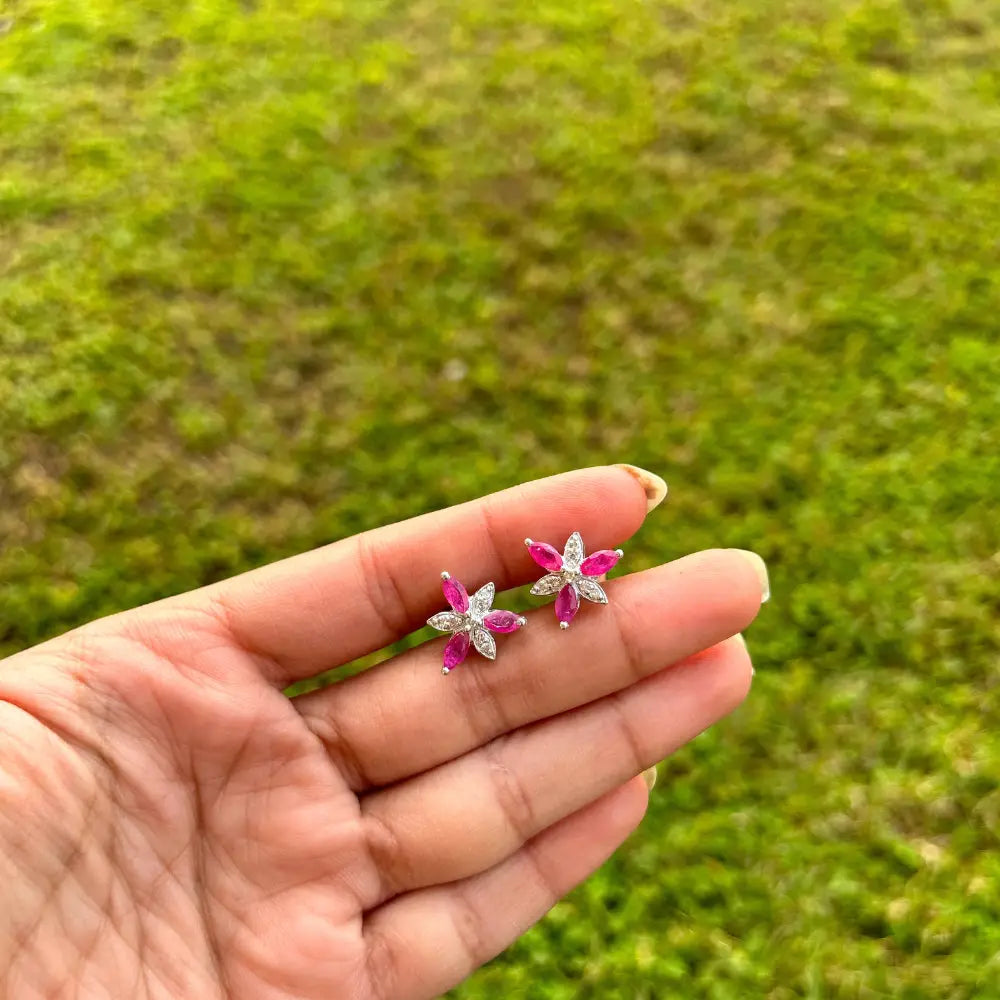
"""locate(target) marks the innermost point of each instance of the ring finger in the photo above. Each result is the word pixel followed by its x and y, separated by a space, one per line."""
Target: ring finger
pixel 483 806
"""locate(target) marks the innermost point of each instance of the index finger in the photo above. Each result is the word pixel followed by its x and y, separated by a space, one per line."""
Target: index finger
pixel 318 610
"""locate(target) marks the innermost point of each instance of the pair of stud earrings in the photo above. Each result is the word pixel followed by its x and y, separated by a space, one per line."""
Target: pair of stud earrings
pixel 472 619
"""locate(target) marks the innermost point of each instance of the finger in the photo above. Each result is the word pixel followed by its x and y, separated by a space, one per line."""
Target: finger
pixel 425 942
pixel 323 608
pixel 487 804
pixel 655 618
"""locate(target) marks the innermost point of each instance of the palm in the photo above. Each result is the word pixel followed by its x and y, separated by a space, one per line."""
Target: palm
pixel 175 826
pixel 209 809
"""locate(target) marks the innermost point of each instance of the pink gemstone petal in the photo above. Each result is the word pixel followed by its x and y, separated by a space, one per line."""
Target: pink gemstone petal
pixel 599 562
pixel 456 595
pixel 567 603
pixel 546 556
pixel 455 650
pixel 502 621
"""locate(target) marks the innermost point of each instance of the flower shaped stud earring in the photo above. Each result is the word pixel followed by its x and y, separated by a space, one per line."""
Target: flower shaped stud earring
pixel 471 619
pixel 571 574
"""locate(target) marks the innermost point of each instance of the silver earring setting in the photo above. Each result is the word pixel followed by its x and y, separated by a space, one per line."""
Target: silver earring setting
pixel 571 575
pixel 470 621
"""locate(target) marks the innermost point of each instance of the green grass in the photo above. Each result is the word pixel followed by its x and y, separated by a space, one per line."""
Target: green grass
pixel 274 272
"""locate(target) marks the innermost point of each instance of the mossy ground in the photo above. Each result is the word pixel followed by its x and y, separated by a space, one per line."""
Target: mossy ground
pixel 275 272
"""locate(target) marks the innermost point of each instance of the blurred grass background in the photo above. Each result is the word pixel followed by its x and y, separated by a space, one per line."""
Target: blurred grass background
pixel 273 272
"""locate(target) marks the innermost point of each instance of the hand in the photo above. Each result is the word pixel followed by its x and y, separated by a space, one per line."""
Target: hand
pixel 172 825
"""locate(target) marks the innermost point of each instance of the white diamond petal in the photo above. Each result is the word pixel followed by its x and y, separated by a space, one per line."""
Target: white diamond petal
pixel 481 601
pixel 447 621
pixel 591 589
pixel 549 585
pixel 484 643
pixel 573 553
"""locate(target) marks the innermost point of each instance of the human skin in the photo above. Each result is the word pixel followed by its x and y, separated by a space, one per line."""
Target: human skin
pixel 173 825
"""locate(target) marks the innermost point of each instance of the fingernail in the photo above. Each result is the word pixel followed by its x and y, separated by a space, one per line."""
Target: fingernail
pixel 760 568
pixel 653 486
pixel 649 776
pixel 742 641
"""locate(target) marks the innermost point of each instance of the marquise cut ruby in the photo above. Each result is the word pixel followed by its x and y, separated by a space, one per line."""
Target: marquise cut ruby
pixel 599 562
pixel 455 650
pixel 567 603
pixel 546 556
pixel 502 621
pixel 456 595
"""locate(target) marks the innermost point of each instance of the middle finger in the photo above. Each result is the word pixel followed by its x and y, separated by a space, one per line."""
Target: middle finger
pixel 402 717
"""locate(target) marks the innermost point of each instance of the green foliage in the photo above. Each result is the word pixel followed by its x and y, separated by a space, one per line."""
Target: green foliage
pixel 275 272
